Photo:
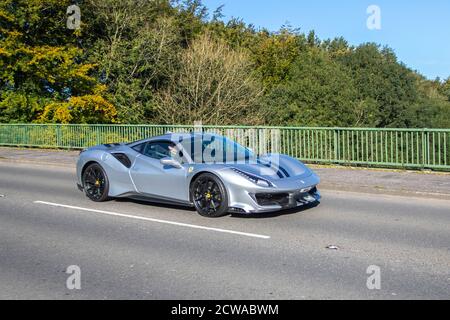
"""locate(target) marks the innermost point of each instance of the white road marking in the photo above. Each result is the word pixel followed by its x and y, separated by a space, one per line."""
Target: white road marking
pixel 193 226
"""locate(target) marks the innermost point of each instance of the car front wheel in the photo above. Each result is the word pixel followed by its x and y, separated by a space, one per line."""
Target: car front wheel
pixel 209 196
pixel 96 183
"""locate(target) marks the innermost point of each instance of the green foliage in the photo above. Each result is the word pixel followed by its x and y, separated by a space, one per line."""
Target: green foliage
pixel 214 84
pixel 378 76
pixel 138 61
pixel 275 56
pixel 40 64
pixel 445 89
pixel 432 110
pixel 319 92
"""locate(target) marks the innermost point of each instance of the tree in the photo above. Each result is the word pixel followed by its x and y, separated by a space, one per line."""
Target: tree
pixel 337 47
pixel 92 108
pixel 275 55
pixel 213 84
pixel 379 78
pixel 235 33
pixel 319 92
pixel 139 43
pixel 39 61
pixel 432 110
pixel 141 61
pixel 445 89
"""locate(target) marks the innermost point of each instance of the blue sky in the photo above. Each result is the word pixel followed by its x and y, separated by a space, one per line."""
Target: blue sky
pixel 417 30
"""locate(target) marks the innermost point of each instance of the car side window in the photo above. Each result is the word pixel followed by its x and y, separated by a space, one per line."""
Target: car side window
pixel 139 148
pixel 158 150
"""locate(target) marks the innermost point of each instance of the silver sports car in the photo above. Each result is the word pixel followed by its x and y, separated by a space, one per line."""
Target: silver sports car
pixel 212 173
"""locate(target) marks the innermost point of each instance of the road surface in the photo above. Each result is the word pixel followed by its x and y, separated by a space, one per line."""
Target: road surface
pixel 131 250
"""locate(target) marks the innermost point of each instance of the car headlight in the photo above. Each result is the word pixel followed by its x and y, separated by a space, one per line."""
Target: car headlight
pixel 256 180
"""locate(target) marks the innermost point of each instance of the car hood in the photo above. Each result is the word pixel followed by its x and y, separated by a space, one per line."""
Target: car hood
pixel 275 167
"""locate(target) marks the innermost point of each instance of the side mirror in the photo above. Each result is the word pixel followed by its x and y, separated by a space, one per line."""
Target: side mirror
pixel 170 162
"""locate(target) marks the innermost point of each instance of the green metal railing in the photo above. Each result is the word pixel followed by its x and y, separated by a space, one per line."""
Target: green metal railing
pixel 395 148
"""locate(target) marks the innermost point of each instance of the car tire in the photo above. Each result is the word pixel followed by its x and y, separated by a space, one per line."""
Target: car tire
pixel 209 195
pixel 96 183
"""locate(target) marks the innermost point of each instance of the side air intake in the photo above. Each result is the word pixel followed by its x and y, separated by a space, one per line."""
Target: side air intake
pixel 123 158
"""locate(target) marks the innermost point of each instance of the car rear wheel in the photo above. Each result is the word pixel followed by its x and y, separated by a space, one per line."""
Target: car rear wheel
pixel 209 196
pixel 96 183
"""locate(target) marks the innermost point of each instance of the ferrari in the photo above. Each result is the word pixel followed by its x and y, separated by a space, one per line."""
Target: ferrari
pixel 207 171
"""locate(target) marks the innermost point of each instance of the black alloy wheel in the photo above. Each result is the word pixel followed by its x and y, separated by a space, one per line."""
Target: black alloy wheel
pixel 209 196
pixel 95 183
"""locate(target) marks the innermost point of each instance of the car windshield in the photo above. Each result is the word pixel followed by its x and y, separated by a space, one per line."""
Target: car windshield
pixel 216 149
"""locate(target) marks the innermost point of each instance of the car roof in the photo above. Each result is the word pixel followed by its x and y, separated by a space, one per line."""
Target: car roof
pixel 169 137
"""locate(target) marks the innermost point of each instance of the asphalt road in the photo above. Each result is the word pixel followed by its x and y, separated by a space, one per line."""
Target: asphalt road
pixel 130 250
